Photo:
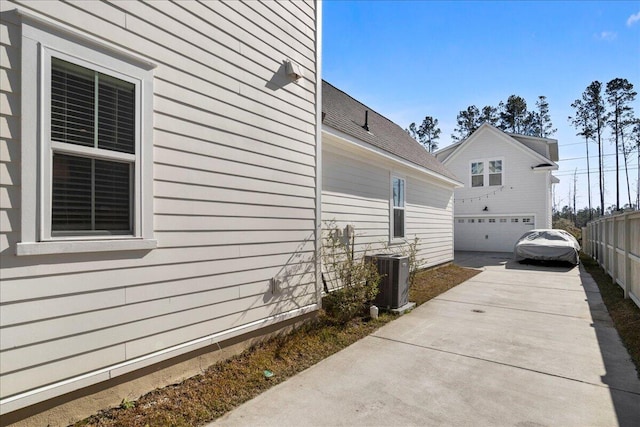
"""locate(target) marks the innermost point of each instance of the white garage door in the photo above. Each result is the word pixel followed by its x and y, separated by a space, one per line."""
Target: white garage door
pixel 490 234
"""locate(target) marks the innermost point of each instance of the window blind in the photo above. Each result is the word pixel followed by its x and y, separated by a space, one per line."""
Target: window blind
pixel 91 109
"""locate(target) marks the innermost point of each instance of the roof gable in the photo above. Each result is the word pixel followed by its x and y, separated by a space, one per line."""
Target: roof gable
pixel 347 115
pixel 448 156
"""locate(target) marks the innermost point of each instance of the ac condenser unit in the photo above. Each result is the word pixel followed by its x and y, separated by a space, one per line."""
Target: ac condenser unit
pixel 394 283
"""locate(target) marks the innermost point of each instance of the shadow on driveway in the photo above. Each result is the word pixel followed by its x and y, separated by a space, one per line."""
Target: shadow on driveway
pixel 484 260
pixel 620 376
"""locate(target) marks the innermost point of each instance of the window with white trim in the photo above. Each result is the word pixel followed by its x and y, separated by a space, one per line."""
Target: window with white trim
pixel 93 151
pixel 398 208
pixel 86 132
pixel 491 175
pixel 477 174
pixel 495 172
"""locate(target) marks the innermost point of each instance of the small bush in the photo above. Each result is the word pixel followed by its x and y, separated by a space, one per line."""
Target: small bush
pixel 354 281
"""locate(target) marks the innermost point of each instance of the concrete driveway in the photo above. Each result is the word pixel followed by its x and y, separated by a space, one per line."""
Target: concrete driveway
pixel 516 345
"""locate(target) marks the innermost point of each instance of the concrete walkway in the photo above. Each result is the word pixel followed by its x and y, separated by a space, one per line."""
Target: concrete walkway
pixel 516 345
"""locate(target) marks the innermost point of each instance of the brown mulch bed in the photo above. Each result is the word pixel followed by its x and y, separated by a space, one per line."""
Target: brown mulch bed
pixel 226 385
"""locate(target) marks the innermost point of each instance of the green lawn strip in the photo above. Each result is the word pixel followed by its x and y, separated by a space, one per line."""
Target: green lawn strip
pixel 624 312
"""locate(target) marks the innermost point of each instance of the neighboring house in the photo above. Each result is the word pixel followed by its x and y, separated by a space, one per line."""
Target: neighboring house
pixel 381 181
pixel 158 190
pixel 507 187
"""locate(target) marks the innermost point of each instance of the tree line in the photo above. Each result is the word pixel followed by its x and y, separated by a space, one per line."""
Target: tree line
pixel 603 112
pixel 511 116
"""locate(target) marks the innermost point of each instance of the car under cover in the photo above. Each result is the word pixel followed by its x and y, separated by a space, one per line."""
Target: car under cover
pixel 547 245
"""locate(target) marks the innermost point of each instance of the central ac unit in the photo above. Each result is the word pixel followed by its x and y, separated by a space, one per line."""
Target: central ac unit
pixel 394 283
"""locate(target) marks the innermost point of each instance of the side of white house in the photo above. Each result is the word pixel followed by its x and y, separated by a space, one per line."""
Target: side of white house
pixel 389 196
pixel 215 183
pixel 357 191
pixel 507 188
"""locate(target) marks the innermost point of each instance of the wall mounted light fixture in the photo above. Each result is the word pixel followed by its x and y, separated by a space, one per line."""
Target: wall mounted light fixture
pixel 293 70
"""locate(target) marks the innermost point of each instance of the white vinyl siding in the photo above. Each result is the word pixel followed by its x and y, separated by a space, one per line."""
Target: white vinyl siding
pixel 523 193
pixel 234 197
pixel 355 191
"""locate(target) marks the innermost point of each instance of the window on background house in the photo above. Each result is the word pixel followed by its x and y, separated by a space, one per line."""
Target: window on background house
pixel 495 172
pixel 398 198
pixel 477 174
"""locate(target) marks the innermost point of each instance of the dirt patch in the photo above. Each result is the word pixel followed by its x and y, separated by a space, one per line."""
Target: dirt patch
pixel 226 385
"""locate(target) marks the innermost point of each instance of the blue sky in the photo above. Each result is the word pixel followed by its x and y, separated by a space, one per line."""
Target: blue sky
pixel 409 59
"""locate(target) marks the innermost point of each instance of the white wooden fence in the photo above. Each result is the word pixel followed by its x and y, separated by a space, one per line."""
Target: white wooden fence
pixel 614 242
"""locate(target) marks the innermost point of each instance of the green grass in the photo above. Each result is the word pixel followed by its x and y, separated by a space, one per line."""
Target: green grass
pixel 624 312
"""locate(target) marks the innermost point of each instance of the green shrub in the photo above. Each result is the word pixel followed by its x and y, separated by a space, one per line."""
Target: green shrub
pixel 351 282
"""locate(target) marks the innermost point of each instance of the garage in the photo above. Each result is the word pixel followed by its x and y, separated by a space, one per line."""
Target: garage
pixel 490 234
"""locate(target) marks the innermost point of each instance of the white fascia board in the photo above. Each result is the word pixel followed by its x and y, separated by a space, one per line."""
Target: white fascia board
pixel 318 170
pixel 505 137
pixel 342 140
pixel 463 144
pixel 446 151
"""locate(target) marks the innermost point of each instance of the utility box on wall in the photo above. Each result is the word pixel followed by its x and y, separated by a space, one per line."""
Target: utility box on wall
pixel 394 284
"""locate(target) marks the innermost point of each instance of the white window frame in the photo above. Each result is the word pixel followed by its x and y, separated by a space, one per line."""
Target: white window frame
pixel 41 41
pixel 392 208
pixel 480 162
pixel 485 172
pixel 489 172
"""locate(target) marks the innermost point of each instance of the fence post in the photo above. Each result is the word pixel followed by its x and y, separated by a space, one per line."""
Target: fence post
pixel 605 249
pixel 627 259
pixel 614 251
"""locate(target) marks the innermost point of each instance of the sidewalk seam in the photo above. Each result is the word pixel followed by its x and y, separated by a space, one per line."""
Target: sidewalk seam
pixel 506 364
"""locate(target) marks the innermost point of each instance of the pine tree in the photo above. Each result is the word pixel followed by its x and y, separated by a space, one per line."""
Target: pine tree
pixel 544 126
pixel 619 93
pixel 513 114
pixel 597 116
pixel 583 125
pixel 429 133
pixel 468 121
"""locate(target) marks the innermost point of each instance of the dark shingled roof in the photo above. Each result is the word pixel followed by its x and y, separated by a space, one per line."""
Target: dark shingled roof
pixel 345 114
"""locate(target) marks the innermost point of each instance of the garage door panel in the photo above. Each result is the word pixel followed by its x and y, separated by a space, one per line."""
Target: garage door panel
pixel 490 234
